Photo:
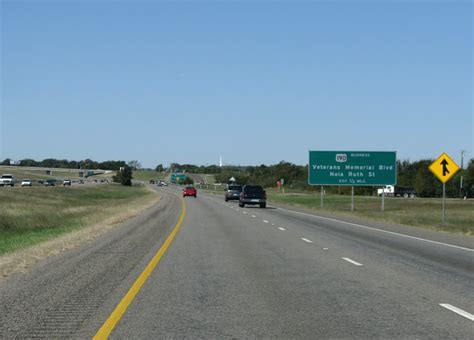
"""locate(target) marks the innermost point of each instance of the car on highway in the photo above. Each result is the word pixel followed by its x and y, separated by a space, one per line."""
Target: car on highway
pixel 189 191
pixel 162 184
pixel 253 195
pixel 66 182
pixel 48 182
pixel 26 183
pixel 7 180
pixel 232 192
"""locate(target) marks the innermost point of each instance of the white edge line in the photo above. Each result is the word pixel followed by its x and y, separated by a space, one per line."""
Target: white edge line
pixel 352 261
pixel 383 231
pixel 458 311
pixel 306 240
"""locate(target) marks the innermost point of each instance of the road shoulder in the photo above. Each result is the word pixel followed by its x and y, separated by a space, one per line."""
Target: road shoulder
pixel 23 260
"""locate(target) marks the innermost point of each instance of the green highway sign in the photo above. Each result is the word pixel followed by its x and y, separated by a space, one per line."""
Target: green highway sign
pixel 352 168
pixel 178 178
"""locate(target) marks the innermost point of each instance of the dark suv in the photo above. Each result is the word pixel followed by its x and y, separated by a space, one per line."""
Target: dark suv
pixel 253 194
pixel 233 192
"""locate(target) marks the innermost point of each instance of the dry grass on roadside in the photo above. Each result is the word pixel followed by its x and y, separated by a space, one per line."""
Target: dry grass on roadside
pixel 32 215
pixel 420 212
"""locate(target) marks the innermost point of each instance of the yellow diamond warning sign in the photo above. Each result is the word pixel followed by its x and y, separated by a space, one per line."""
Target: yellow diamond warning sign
pixel 444 167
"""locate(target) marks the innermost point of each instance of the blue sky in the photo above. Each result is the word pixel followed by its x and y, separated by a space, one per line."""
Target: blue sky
pixel 253 81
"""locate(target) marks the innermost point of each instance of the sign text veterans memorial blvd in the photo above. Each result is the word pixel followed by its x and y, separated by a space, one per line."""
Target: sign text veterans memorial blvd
pixel 352 168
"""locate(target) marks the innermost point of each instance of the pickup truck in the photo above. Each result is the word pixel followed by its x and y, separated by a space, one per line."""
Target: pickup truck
pixel 253 194
pixel 7 179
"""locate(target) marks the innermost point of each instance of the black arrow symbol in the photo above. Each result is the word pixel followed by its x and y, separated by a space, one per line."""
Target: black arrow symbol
pixel 444 163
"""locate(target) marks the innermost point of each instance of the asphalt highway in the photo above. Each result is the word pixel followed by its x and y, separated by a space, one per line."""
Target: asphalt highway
pixel 235 272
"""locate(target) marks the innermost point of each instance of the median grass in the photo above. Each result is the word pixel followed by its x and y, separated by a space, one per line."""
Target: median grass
pixel 420 212
pixel 32 215
pixel 146 175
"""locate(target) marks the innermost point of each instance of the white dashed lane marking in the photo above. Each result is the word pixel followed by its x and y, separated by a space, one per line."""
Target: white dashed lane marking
pixel 352 261
pixel 458 311
pixel 306 240
pixel 265 221
pixel 282 229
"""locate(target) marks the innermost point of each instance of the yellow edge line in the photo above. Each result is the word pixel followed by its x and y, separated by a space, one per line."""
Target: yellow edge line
pixel 119 311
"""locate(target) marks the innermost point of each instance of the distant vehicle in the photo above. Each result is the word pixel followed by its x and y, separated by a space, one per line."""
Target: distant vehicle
pixel 233 192
pixel 162 184
pixel 7 180
pixel 49 182
pixel 152 181
pixel 253 194
pixel 66 182
pixel 81 181
pixel 396 191
pixel 189 191
pixel 26 183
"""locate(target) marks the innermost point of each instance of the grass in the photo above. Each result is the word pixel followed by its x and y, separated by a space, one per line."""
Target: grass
pixel 420 212
pixel 209 179
pixel 21 174
pixel 146 175
pixel 32 215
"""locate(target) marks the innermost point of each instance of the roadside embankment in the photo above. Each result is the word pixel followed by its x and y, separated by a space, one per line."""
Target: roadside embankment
pixel 38 222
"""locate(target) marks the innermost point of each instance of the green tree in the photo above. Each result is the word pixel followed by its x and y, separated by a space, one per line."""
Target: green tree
pixel 124 176
pixel 468 179
pixel 135 165
pixel 159 168
pixel 425 181
pixel 188 181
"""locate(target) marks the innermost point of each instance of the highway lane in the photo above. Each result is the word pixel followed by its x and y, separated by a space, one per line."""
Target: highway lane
pixel 197 178
pixel 245 273
pixel 257 273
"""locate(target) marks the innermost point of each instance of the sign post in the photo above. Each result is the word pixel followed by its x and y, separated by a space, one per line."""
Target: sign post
pixel 352 199
pixel 444 203
pixel 444 168
pixel 383 199
pixel 322 196
pixel 352 168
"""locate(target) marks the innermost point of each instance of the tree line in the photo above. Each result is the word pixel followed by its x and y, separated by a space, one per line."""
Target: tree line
pixel 410 174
